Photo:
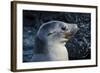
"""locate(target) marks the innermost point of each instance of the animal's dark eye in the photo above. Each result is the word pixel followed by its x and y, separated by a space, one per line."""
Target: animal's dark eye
pixel 49 34
pixel 63 28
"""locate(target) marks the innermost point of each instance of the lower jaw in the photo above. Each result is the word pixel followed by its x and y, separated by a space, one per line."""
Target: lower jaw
pixel 64 41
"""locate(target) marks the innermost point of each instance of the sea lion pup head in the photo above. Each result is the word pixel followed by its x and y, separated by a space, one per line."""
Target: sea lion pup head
pixel 56 32
pixel 51 38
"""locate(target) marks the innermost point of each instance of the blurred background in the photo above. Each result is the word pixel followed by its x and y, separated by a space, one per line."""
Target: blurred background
pixel 79 47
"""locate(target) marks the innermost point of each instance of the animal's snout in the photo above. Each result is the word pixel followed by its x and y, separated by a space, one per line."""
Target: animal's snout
pixel 74 29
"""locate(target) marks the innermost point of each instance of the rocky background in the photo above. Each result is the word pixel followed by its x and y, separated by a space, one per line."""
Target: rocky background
pixel 79 47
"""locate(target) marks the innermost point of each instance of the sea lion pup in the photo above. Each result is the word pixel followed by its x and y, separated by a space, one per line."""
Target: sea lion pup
pixel 50 41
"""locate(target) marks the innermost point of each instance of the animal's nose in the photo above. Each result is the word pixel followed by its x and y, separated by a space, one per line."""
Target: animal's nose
pixel 74 29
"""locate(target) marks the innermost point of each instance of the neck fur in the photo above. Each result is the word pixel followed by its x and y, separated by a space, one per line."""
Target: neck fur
pixel 57 51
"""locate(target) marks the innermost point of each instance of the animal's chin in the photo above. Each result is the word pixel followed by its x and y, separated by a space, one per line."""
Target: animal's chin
pixel 64 40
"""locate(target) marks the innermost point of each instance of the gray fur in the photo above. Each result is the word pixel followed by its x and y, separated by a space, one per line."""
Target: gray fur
pixel 51 39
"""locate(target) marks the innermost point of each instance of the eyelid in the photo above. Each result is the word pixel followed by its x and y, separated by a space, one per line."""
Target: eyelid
pixel 51 33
